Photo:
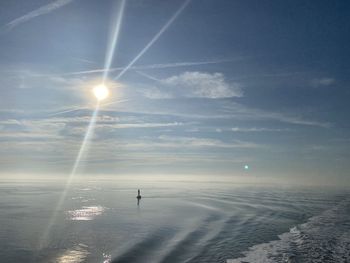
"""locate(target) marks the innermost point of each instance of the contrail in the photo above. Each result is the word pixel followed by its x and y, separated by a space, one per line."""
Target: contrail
pixel 147 76
pixel 60 202
pixel 67 111
pixel 155 66
pixel 84 60
pixel 113 43
pixel 38 12
pixel 155 38
pixel 83 108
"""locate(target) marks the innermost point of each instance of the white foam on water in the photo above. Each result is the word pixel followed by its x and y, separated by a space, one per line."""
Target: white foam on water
pixel 324 238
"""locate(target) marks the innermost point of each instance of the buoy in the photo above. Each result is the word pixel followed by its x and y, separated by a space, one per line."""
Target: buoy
pixel 138 194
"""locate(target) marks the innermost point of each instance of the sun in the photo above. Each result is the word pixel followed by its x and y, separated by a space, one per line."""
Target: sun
pixel 101 92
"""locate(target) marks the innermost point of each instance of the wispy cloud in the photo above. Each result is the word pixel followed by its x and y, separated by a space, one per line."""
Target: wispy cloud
pixel 300 121
pixel 253 129
pixel 204 85
pixel 65 128
pixel 235 110
pixel 178 141
pixel 322 82
pixel 35 13
pixel 219 109
pixel 142 125
pixel 195 85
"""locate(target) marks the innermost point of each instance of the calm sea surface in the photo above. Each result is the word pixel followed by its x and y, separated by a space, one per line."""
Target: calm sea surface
pixel 101 221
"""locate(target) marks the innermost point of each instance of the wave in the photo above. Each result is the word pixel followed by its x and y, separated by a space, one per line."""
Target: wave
pixel 175 245
pixel 323 238
pixel 182 249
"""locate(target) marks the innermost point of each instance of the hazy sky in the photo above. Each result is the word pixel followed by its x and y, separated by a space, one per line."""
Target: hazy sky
pixel 221 85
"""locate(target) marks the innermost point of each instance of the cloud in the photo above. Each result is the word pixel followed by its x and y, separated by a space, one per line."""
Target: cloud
pixel 169 143
pixel 214 109
pixel 300 121
pixel 201 85
pixel 193 142
pixel 142 125
pixel 156 93
pixel 322 82
pixel 69 127
pixel 17 130
pixel 38 12
pixel 238 111
pixel 254 129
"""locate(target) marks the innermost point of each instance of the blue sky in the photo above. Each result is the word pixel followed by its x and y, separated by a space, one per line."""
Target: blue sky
pixel 223 84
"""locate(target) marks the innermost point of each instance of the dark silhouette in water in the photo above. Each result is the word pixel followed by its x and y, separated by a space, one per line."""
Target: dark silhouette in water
pixel 138 196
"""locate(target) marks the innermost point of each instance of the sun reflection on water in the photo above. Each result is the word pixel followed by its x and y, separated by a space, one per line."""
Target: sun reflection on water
pixel 76 254
pixel 85 213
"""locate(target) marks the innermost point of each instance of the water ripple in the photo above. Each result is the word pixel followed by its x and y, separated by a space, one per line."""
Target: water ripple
pixel 85 213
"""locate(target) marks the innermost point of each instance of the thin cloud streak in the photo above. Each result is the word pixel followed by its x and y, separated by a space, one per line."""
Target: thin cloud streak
pixel 235 111
pixel 152 66
pixel 35 13
pixel 140 125
pixel 147 76
pixel 254 129
pixel 84 108
pixel 189 143
pixel 155 38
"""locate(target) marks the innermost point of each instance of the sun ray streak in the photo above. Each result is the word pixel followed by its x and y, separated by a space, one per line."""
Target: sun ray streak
pixel 82 151
pixel 112 46
pixel 89 132
pixel 154 39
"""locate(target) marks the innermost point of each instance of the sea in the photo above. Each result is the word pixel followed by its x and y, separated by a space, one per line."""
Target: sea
pixel 101 220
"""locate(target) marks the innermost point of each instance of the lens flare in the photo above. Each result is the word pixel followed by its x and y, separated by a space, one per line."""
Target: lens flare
pixel 101 92
pixel 82 151
pixel 112 45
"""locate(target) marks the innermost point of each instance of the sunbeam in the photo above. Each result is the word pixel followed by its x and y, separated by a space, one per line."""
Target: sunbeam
pixel 82 151
pixel 155 38
pixel 101 92
pixel 112 45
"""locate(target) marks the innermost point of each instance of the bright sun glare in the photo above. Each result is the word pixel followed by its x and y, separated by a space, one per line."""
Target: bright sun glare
pixel 101 92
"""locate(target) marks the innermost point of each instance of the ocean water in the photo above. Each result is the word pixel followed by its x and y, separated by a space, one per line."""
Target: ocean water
pixel 101 221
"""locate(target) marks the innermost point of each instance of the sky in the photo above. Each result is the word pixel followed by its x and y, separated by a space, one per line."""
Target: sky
pixel 197 87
